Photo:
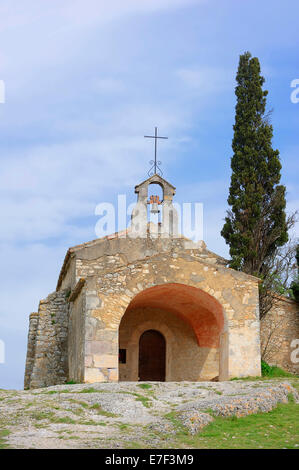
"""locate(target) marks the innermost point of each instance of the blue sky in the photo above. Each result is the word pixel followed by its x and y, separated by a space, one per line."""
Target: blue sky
pixel 85 81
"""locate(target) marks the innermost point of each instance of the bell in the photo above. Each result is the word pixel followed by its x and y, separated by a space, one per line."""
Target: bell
pixel 155 209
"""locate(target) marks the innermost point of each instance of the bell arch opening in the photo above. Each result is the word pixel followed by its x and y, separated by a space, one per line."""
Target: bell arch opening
pixel 154 203
pixel 193 325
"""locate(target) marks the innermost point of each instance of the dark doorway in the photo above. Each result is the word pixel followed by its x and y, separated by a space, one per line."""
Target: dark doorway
pixel 152 356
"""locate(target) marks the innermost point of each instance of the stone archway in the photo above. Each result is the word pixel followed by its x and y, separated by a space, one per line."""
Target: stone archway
pixel 193 325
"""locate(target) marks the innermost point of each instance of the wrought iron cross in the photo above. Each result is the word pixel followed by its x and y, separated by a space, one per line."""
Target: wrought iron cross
pixel 155 163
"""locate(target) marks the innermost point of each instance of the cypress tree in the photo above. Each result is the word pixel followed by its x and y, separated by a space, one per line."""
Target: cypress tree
pixel 256 223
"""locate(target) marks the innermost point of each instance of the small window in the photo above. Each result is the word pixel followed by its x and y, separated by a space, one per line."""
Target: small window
pixel 122 356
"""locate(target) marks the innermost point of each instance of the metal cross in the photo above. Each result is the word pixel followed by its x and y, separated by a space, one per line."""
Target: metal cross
pixel 155 168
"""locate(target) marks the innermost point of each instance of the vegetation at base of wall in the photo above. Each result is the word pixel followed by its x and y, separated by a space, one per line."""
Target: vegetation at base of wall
pixel 274 371
pixel 268 372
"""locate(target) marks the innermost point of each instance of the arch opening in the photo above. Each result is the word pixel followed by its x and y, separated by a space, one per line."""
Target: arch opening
pixel 193 325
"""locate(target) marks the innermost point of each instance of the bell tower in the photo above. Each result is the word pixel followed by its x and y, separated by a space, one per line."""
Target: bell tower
pixel 142 226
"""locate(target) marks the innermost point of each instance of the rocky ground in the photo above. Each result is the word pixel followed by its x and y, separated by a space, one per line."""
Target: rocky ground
pixel 128 414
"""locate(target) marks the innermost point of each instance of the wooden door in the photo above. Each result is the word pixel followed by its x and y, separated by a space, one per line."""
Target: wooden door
pixel 152 356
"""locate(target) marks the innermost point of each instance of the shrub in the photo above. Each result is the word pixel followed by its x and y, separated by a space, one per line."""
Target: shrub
pixel 274 371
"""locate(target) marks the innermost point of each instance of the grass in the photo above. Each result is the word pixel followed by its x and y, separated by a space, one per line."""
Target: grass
pixel 101 412
pixel 28 405
pixel 274 371
pixel 255 379
pixel 64 420
pixel 273 430
pixel 81 403
pixel 90 390
pixel 172 416
pixel 146 401
pixel 85 390
pixel 268 372
pixel 124 427
pixel 76 411
pixel 40 415
pixel 133 445
pixel 3 434
pixel 92 423
pixel 145 386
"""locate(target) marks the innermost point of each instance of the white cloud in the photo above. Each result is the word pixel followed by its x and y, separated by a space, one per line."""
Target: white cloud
pixel 78 14
pixel 82 13
pixel 43 188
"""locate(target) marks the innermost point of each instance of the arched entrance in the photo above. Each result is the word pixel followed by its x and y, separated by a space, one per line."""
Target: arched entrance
pixel 194 330
pixel 152 356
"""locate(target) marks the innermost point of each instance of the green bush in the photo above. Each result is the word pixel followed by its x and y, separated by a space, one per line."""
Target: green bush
pixel 274 371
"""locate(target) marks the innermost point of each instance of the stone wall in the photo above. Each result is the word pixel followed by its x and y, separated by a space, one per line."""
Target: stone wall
pixel 103 255
pixel 279 329
pixel 76 336
pixel 101 340
pixel 46 362
pixel 31 343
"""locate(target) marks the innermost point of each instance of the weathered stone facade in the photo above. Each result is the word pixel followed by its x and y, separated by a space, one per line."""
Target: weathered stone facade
pixel 47 358
pixel 280 335
pixel 109 279
pixel 112 290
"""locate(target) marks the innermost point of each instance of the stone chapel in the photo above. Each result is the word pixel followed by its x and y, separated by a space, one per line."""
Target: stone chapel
pixel 145 304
